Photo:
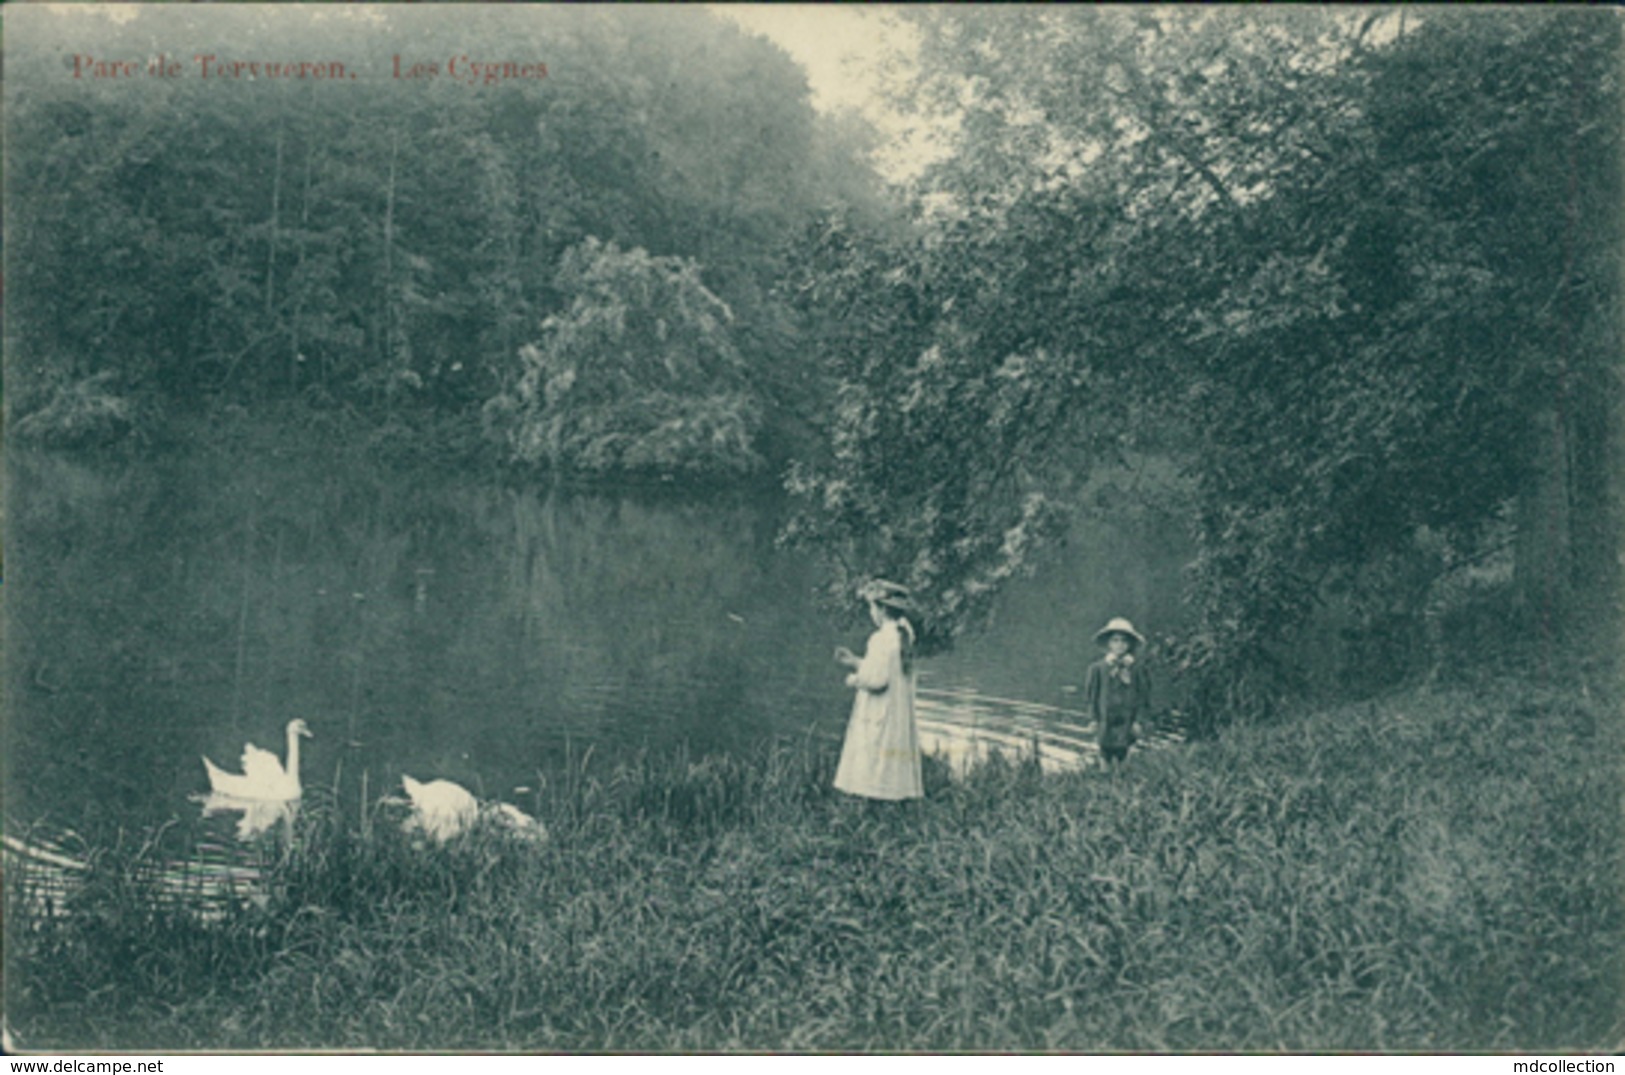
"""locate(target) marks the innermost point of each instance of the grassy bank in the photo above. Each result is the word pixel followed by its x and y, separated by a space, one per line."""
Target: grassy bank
pixel 1433 871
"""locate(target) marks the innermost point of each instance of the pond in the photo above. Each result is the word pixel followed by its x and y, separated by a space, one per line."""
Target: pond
pixel 173 608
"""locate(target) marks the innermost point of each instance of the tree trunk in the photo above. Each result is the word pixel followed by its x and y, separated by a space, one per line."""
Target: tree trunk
pixel 294 356
pixel 276 210
pixel 389 259
pixel 1596 490
pixel 1544 564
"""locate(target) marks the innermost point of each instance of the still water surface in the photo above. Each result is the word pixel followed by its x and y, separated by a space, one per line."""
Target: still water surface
pixel 445 627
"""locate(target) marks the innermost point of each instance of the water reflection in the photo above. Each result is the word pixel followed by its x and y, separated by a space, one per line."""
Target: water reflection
pixel 966 729
pixel 255 817
pixel 174 607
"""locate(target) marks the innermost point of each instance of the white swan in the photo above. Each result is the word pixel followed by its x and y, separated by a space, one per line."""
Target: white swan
pixel 263 778
pixel 442 809
pixel 265 792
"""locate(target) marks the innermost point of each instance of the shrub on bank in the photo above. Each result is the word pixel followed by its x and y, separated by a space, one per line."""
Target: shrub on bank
pixel 80 414
pixel 639 376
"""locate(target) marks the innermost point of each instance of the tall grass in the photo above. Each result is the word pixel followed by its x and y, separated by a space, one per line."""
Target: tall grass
pixel 1434 871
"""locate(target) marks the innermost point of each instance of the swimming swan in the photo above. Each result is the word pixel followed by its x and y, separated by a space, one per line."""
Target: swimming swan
pixel 263 778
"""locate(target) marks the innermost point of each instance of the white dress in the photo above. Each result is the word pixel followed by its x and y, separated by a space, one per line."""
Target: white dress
pixel 881 757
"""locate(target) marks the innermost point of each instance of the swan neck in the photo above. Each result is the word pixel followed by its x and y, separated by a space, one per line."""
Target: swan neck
pixel 293 754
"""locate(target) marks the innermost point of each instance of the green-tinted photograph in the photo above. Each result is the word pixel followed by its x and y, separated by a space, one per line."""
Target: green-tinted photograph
pixel 813 529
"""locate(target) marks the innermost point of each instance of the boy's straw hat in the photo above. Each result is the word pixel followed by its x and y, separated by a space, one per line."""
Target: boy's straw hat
pixel 1119 626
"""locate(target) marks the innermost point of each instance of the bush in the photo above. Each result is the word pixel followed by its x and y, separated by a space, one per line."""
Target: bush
pixel 640 375
pixel 81 414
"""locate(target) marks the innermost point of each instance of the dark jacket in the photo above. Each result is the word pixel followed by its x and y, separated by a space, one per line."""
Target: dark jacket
pixel 1116 705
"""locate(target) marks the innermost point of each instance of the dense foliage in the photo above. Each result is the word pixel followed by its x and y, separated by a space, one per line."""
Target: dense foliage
pixel 1354 274
pixel 390 244
pixel 639 374
pixel 1358 272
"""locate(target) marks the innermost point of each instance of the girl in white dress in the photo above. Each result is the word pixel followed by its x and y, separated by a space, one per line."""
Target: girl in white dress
pixel 881 756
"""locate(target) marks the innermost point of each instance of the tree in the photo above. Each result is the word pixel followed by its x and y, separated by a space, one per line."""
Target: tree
pixel 1400 357
pixel 387 246
pixel 1321 256
pixel 992 354
pixel 639 374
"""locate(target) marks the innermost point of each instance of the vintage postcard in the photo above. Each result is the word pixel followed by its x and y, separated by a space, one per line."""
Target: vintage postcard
pixel 812 529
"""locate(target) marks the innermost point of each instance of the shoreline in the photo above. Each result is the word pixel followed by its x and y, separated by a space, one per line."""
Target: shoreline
pixel 1362 877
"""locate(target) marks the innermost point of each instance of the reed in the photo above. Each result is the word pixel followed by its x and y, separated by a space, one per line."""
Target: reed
pixel 1437 870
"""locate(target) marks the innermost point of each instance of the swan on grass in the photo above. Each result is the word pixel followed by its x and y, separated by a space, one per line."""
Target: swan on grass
pixel 442 809
pixel 265 791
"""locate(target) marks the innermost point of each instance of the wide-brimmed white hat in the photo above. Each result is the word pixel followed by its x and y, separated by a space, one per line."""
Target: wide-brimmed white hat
pixel 890 594
pixel 1119 626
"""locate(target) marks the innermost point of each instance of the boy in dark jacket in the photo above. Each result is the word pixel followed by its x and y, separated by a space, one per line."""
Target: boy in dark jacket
pixel 1116 692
